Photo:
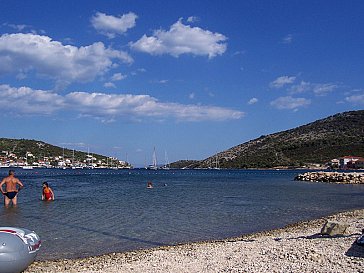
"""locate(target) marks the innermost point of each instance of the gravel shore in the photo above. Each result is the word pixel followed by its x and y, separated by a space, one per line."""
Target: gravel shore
pixel 295 248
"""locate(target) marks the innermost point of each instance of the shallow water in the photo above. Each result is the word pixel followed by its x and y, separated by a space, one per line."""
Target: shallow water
pixel 101 211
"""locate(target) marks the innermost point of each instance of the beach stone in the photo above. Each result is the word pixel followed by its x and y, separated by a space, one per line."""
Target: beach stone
pixel 334 228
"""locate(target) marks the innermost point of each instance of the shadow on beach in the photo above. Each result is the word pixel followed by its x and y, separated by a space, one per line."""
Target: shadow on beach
pixel 355 251
pixel 321 236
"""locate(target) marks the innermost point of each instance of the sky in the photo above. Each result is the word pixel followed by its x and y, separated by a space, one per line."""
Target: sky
pixel 190 78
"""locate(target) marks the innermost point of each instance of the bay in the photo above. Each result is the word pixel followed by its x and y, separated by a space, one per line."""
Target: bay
pixel 102 211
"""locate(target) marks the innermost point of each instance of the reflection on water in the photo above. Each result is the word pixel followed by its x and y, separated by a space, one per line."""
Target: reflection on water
pixel 103 211
pixel 10 216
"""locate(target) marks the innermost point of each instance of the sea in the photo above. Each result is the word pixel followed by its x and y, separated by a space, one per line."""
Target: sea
pixel 103 211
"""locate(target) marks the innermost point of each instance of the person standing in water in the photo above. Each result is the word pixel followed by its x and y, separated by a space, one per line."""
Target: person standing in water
pixel 47 192
pixel 12 187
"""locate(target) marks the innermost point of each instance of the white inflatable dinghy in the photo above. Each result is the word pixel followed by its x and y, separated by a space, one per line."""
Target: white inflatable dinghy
pixel 18 249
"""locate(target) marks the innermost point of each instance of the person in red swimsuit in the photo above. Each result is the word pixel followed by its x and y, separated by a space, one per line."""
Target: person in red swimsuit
pixel 47 193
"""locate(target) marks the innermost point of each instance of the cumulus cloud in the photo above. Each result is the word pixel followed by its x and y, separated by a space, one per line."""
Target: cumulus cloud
pixel 138 71
pixel 111 25
pixel 22 53
pixel 25 100
pixel 109 85
pixel 105 106
pixel 252 101
pixel 182 39
pixel 282 81
pixel 290 103
pixel 193 19
pixel 300 88
pixel 118 77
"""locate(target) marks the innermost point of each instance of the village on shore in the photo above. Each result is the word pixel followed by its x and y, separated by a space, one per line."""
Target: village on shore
pixel 30 161
pixel 90 161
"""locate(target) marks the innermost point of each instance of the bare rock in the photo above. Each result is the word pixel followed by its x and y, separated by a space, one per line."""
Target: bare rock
pixel 334 228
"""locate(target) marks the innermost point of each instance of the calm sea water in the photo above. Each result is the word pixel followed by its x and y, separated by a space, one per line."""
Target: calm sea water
pixel 102 211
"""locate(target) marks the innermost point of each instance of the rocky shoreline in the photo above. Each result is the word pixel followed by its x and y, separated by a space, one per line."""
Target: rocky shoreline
pixel 296 248
pixel 332 177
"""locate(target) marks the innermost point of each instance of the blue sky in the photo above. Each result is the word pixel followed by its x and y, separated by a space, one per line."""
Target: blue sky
pixel 189 78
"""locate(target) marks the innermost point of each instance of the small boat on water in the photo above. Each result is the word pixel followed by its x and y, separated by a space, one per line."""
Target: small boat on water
pixel 154 165
pixel 18 248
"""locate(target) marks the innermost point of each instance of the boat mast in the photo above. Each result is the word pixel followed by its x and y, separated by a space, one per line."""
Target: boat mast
pixel 154 159
pixel 166 163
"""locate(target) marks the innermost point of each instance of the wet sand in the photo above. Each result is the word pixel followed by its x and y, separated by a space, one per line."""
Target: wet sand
pixel 294 248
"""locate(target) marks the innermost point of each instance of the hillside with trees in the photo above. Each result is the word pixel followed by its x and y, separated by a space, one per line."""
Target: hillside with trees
pixel 35 151
pixel 315 143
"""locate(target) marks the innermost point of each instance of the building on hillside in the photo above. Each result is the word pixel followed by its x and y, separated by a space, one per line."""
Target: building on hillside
pixel 334 163
pixel 351 162
pixel 359 164
pixel 3 160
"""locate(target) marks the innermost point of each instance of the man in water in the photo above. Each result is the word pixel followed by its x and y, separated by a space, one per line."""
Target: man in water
pixel 11 182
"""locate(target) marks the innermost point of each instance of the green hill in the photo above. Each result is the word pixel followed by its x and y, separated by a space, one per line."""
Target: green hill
pixel 41 150
pixel 315 143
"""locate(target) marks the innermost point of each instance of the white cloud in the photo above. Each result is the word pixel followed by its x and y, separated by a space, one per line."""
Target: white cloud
pixel 163 81
pixel 109 85
pixel 191 96
pixel 282 81
pixel 319 89
pixel 105 106
pixel 18 27
pixel 252 101
pixel 111 25
pixel 300 88
pixel 239 52
pixel 118 77
pixel 22 53
pixel 182 39
pixel 193 19
pixel 25 100
pixel 356 99
pixel 288 39
pixel 290 103
pixel 138 71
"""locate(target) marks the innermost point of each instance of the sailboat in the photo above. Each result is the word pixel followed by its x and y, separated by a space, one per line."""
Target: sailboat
pixel 153 166
pixel 217 167
pixel 26 166
pixel 166 163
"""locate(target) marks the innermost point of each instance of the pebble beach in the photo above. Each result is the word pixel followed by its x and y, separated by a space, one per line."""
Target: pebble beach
pixel 295 248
